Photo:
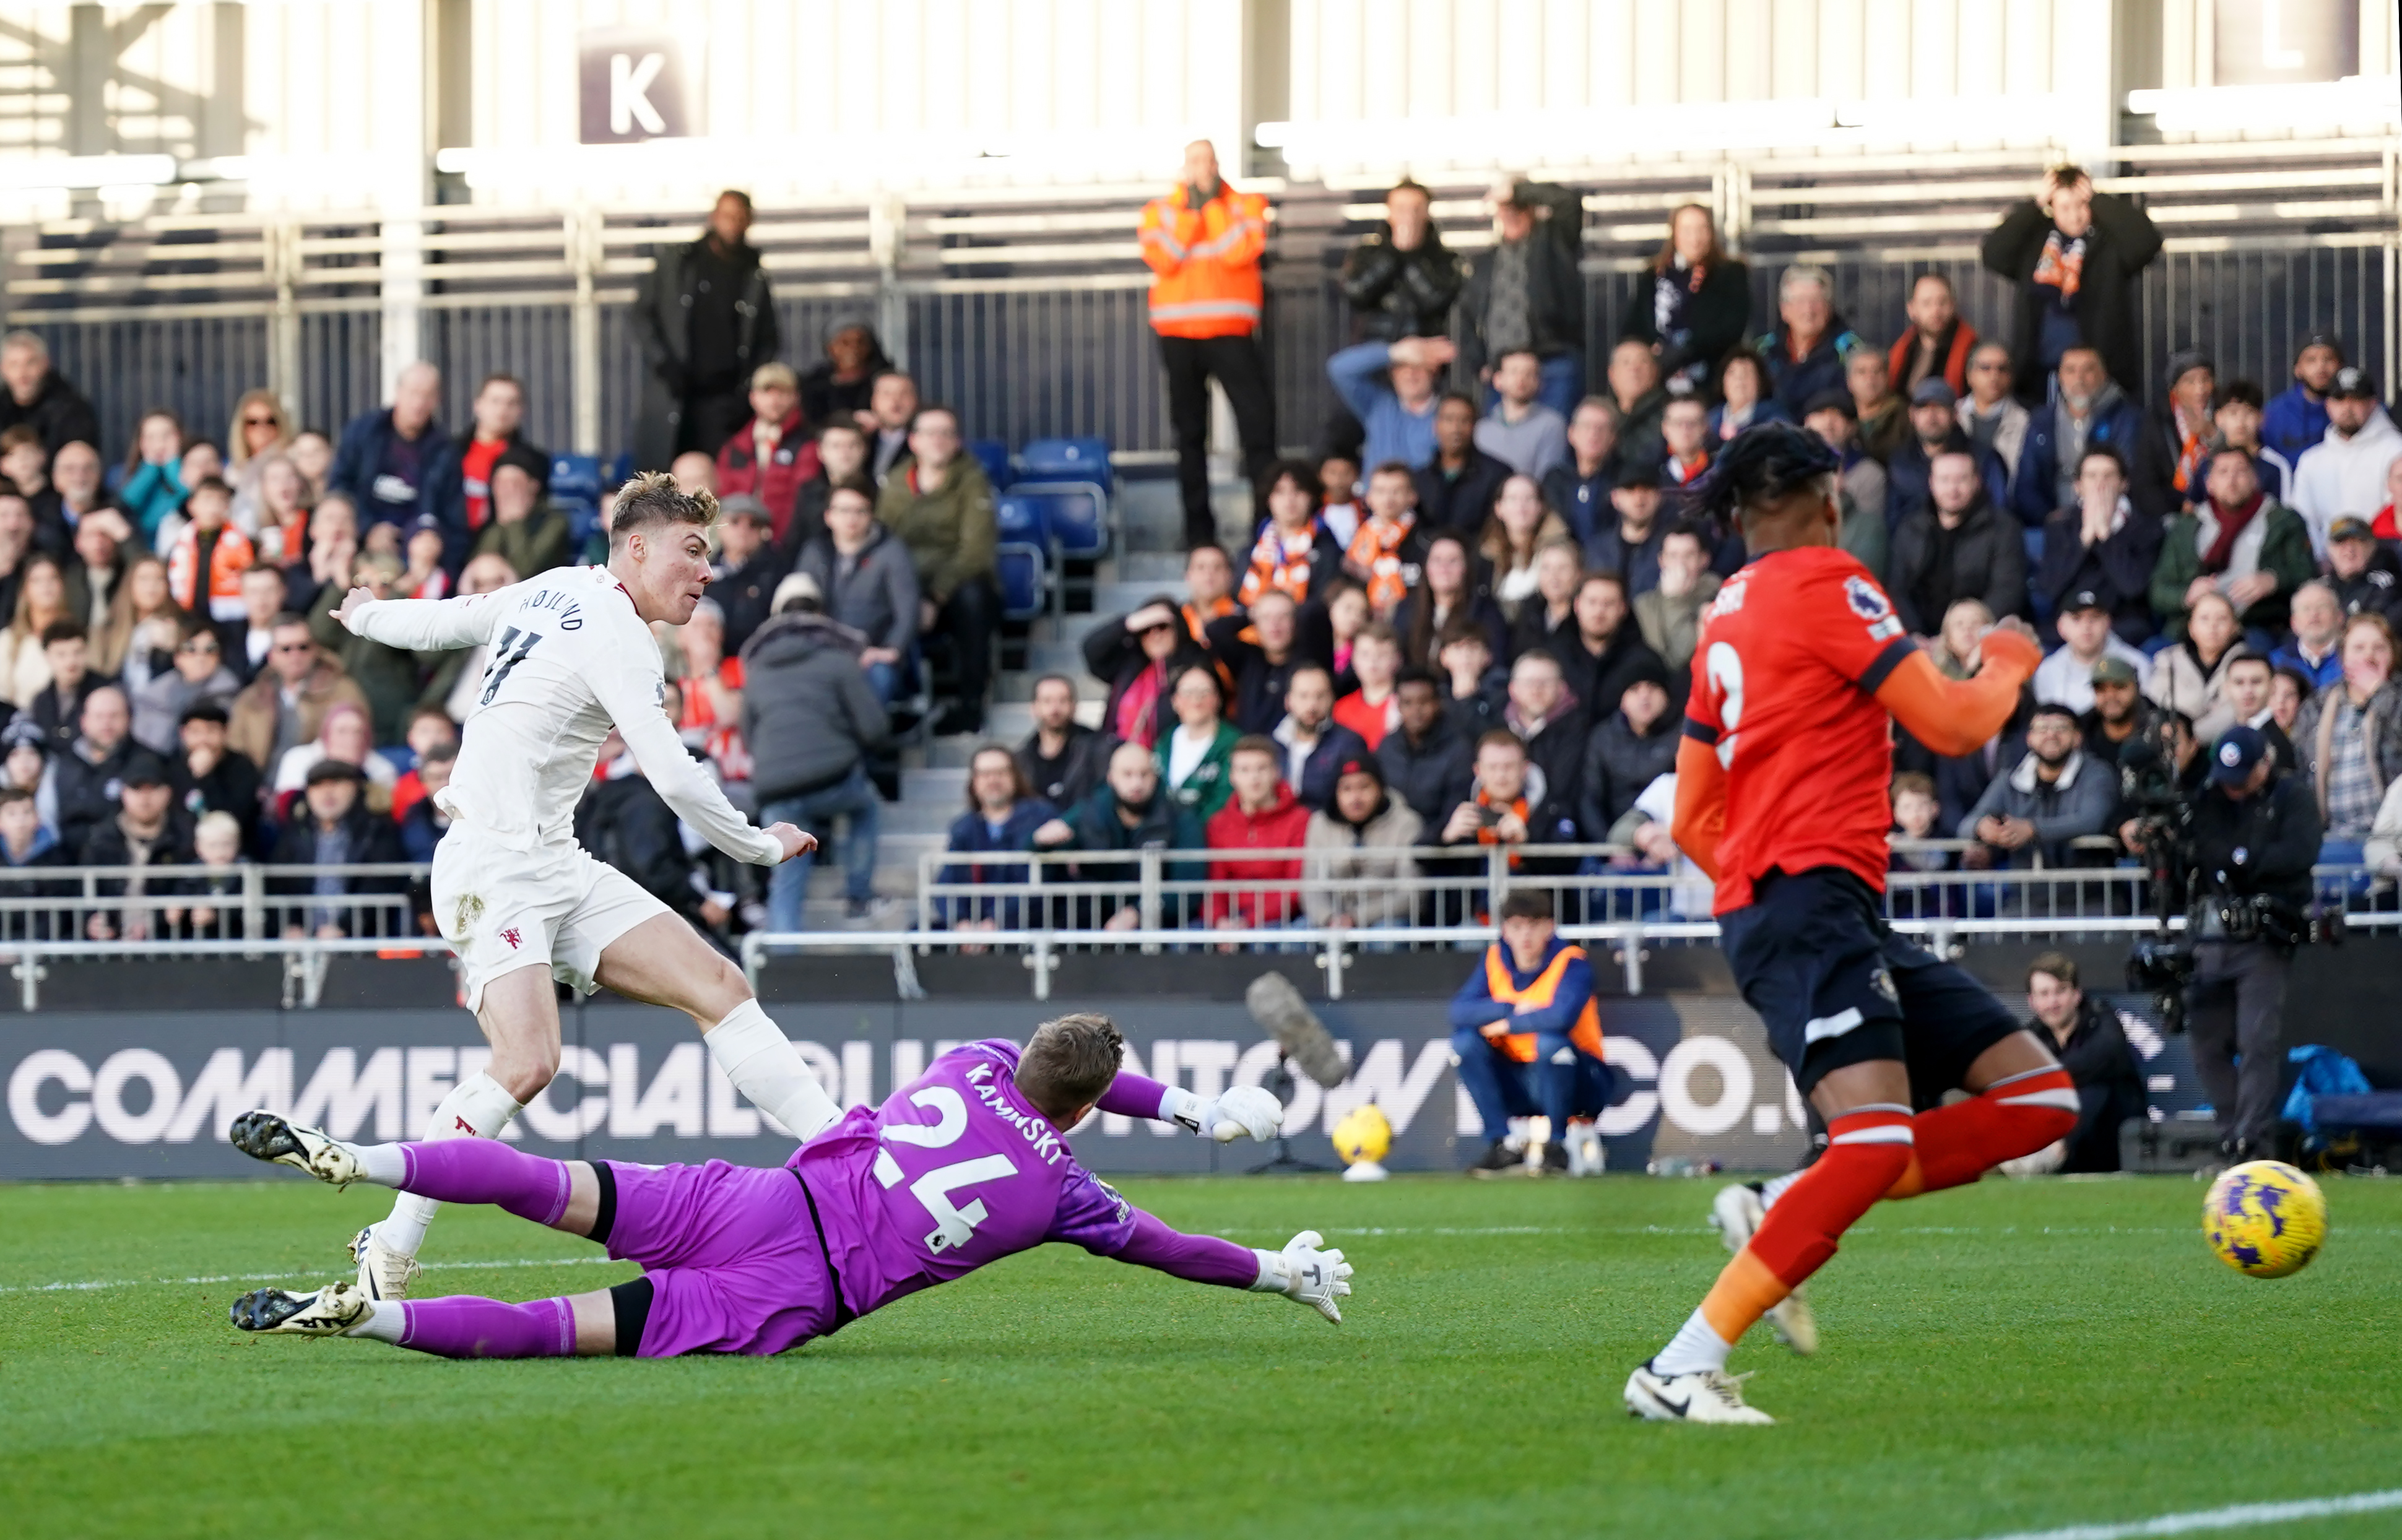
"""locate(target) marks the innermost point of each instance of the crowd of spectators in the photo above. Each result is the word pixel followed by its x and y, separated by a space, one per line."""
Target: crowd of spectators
pixel 1469 622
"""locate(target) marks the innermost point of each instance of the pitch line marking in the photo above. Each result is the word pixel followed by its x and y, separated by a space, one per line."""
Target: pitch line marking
pixel 91 1285
pixel 2241 1515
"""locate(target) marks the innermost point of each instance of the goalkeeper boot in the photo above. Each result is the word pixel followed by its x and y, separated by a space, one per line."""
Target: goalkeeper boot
pixel 384 1273
pixel 1705 1396
pixel 265 1136
pixel 326 1312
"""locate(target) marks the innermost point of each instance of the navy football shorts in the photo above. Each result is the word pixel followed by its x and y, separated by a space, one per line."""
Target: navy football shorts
pixel 1813 956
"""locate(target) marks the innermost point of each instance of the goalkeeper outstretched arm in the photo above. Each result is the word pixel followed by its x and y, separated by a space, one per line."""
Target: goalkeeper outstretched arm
pixel 1303 1271
pixel 1243 1109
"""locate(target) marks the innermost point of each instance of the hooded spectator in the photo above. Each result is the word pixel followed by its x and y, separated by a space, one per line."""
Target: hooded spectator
pixel 387 676
pixel 2347 471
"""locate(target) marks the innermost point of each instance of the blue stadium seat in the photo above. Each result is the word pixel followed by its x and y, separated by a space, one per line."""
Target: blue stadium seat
pixel 1075 513
pixel 993 455
pixel 621 470
pixel 1025 573
pixel 1023 518
pixel 1068 459
pixel 576 491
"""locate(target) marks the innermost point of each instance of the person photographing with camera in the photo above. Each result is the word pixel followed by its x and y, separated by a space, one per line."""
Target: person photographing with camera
pixel 2255 832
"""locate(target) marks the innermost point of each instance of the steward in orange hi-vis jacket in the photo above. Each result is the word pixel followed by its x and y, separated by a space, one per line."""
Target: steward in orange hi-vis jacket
pixel 1204 241
pixel 1527 1032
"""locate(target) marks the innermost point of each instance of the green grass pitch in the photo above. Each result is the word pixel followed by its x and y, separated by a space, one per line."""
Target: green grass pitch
pixel 2013 1355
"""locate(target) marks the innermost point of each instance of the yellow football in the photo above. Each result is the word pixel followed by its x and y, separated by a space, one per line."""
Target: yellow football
pixel 1363 1133
pixel 2264 1218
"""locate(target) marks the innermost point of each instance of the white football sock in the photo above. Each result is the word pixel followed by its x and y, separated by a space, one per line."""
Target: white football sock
pixel 763 1066
pixel 385 1320
pixel 1774 1186
pixel 386 1166
pixel 477 1107
pixel 1695 1349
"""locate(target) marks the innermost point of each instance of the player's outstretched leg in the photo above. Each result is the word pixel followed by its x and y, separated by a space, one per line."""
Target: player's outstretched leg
pixel 461 1326
pixel 457 1170
pixel 1735 1213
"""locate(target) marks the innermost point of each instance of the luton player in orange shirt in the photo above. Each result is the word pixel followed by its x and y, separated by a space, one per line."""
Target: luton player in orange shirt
pixel 1781 797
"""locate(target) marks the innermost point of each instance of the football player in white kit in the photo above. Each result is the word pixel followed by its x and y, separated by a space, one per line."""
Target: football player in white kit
pixel 568 655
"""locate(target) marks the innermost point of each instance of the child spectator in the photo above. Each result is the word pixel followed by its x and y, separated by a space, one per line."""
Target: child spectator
pixel 1915 812
pixel 1371 710
pixel 204 570
pixel 153 485
pixel 1294 553
pixel 1264 816
pixel 1387 553
pixel 1338 481
pixel 214 911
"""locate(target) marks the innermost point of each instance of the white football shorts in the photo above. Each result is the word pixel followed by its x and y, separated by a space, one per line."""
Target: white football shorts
pixel 555 906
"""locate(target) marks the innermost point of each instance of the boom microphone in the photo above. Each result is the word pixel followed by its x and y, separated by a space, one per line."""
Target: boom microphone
pixel 1284 1015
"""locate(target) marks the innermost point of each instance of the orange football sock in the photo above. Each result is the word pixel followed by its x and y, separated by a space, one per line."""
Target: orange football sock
pixel 1957 1144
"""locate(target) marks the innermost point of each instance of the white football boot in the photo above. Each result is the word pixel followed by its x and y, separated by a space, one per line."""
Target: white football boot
pixel 265 1136
pixel 1735 1212
pixel 327 1312
pixel 384 1273
pixel 1706 1395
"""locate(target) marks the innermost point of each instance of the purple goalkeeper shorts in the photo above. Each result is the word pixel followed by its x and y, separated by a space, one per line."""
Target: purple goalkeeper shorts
pixel 732 1255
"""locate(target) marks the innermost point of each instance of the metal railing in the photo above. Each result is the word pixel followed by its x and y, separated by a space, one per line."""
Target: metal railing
pixel 137 907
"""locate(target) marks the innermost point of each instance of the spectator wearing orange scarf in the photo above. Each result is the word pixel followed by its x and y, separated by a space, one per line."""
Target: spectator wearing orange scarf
pixel 1294 553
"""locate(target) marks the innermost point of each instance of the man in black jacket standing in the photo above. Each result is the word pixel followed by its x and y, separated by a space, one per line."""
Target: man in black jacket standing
pixel 705 319
pixel 2074 255
pixel 1526 293
pixel 2255 833
pixel 38 396
pixel 1402 279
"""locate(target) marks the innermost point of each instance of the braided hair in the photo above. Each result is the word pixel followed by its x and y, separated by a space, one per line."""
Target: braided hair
pixel 1764 462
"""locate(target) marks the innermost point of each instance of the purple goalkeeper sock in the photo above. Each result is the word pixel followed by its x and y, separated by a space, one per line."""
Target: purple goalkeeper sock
pixel 485 1171
pixel 466 1326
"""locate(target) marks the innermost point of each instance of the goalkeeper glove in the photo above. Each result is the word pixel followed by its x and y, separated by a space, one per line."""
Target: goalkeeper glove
pixel 1225 1117
pixel 1304 1272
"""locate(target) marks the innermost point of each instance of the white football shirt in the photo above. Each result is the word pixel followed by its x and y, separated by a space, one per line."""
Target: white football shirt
pixel 566 657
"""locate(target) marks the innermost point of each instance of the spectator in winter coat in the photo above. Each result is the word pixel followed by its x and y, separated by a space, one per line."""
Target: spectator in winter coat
pixel 1140 656
pixel 770 456
pixel 1359 872
pixel 525 529
pixel 38 396
pixel 2087 411
pixel 1805 351
pixel 705 319
pixel 1994 419
pixel 1860 487
pixel 1958 548
pixel 79 791
pixel 2349 737
pixel 387 458
pixel 2346 471
pixel 1882 412
pixel 1400 281
pixel 2363 573
pixel 2236 420
pixel 1002 815
pixel 146 830
pixel 2091 1046
pixel 1670 615
pixel 1449 587
pixel 1264 815
pixel 1627 543
pixel 867 580
pixel 1457 487
pixel 1938 343
pixel 1526 291
pixel 1263 648
pixel 1126 814
pixel 811 721
pixel 2053 796
pixel 1697 305
pixel 2101 545
pixel 940 504
pixel 1387 553
pixel 2315 650
pixel 2065 677
pixel 1578 489
pixel 2190 678
pixel 1744 397
pixel 2074 255
pixel 2297 419
pixel 1935 430
pixel 1521 432
pixel 842 456
pixel 1398 411
pixel 332 828
pixel 1550 727
pixel 1632 748
pixel 1314 743
pixel 1424 762
pixel 1509 802
pixel 1601 651
pixel 458 489
pixel 1062 759
pixel 205 565
pixel 2242 543
pixel 2120 714
pixel 2172 454
pixel 210 777
pixel 1195 754
pixel 837 388
pixel 199 674
pixel 1636 390
pixel 749 567
pixel 1293 551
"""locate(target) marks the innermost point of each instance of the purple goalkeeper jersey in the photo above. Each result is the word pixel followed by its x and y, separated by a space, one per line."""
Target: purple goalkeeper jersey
pixel 955 1170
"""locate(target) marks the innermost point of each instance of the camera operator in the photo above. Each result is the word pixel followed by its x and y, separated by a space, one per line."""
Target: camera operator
pixel 2255 832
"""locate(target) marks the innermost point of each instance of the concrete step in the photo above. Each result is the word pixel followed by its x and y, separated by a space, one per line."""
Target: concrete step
pixel 1057 657
pixel 1005 722
pixel 1164 568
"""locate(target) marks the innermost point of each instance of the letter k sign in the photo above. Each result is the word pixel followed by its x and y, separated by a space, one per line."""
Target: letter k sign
pixel 630 85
